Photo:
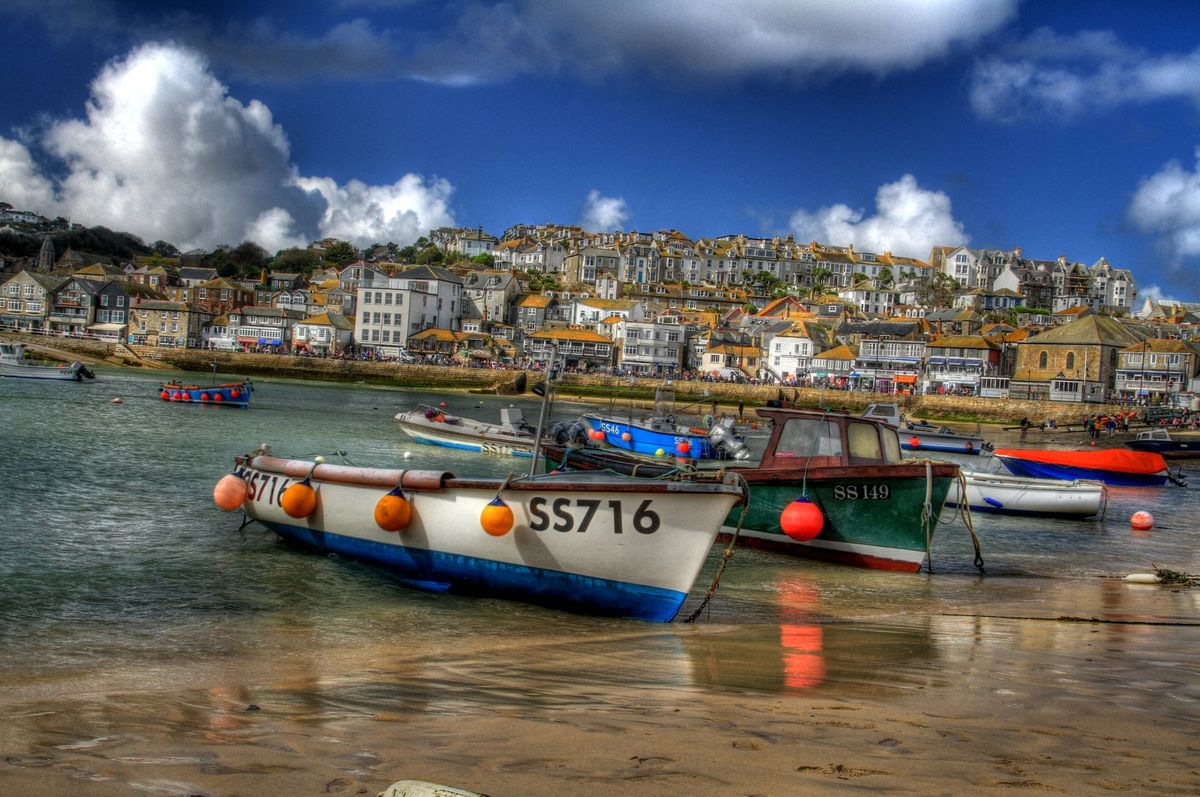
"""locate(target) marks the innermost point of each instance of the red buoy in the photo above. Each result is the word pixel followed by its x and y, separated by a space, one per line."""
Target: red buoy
pixel 914 441
pixel 802 519
pixel 1142 520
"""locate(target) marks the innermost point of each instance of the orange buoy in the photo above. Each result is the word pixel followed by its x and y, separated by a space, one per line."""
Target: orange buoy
pixel 683 447
pixel 626 436
pixel 165 395
pixel 204 396
pixel 1142 520
pixel 230 492
pixel 299 500
pixel 234 393
pixel 496 518
pixel 117 401
pixel 802 519
pixel 393 512
pixel 914 441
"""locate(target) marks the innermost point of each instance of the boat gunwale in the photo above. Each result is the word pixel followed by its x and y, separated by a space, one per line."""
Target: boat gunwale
pixel 445 480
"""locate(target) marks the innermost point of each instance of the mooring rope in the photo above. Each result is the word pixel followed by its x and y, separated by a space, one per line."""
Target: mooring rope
pixel 727 554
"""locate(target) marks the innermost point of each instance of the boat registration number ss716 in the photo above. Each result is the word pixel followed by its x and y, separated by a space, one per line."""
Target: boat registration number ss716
pixel 862 492
pixel 577 515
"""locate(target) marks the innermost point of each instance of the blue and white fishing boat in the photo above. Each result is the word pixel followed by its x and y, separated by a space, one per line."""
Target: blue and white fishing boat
pixel 589 543
pixel 432 425
pixel 923 436
pixel 13 364
pixel 660 434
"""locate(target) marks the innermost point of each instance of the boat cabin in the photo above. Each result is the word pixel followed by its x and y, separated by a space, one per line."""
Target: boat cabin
pixel 888 413
pixel 803 438
pixel 1159 435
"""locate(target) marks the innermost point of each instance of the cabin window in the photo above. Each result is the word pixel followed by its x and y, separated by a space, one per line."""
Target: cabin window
pixel 809 437
pixel 891 446
pixel 1070 360
pixel 1043 359
pixel 864 441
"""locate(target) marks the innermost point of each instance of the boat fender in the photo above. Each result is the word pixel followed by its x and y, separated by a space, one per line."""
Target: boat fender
pixel 1143 578
pixel 970 446
pixel 993 502
pixel 420 788
pixel 300 499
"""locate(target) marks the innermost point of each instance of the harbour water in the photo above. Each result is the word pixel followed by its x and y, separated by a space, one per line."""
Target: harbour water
pixel 148 643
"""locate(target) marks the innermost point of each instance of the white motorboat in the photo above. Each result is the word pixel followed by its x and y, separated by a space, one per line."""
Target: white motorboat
pixel 511 437
pixel 14 364
pixel 1022 495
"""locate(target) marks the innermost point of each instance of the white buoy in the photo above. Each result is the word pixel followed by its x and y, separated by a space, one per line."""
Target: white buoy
pixel 117 401
pixel 408 455
pixel 420 788
pixel 318 458
pixel 1143 578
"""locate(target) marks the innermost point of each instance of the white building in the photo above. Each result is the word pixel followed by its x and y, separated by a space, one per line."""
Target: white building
pixel 394 308
pixel 648 348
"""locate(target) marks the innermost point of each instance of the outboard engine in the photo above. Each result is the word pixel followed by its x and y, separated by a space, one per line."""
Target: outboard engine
pixel 563 435
pixel 722 438
pixel 85 371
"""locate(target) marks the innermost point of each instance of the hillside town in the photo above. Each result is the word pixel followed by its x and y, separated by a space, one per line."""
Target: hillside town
pixel 737 308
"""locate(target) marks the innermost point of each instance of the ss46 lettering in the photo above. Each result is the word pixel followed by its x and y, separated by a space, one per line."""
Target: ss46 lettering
pixel 566 514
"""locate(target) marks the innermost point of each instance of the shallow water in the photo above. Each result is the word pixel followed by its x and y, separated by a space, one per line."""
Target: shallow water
pixel 120 577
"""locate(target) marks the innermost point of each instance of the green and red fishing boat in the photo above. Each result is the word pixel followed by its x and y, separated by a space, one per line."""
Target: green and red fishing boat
pixel 861 502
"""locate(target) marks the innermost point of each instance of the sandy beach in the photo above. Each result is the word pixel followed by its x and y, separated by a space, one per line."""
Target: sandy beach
pixel 1051 697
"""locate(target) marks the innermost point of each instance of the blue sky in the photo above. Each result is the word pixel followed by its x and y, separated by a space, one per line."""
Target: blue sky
pixel 1062 128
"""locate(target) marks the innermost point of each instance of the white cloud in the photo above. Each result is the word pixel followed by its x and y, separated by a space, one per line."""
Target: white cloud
pixel 909 220
pixel 719 39
pixel 1167 204
pixel 1048 76
pixel 603 213
pixel 21 185
pixel 1154 293
pixel 165 152
pixel 400 212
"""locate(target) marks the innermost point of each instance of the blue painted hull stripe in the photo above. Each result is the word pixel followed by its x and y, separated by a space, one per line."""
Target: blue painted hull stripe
pixel 464 446
pixel 949 449
pixel 438 571
pixel 1025 512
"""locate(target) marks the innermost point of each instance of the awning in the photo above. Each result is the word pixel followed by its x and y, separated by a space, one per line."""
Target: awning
pixel 905 379
pixel 269 341
pixel 107 327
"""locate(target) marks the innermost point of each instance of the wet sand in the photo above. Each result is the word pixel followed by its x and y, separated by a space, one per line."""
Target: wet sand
pixel 997 686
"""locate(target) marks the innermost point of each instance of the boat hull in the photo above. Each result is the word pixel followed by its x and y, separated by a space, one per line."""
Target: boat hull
pixel 229 395
pixel 1013 495
pixel 1049 470
pixel 872 514
pixel 602 545
pixel 940 443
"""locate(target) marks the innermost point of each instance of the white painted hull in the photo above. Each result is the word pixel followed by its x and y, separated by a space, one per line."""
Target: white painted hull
pixel 598 543
pixel 1021 495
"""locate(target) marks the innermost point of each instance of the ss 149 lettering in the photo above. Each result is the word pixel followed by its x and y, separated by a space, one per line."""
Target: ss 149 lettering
pixel 577 515
pixel 862 492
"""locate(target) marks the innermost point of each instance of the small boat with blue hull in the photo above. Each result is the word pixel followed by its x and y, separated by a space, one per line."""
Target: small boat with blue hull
pixel 924 436
pixel 434 426
pixel 230 394
pixel 1113 466
pixel 662 436
pixel 13 364
pixel 590 543
pixel 1172 445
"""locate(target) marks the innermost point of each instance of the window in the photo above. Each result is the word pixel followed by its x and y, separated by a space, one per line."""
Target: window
pixel 1070 360
pixel 1043 359
pixel 809 437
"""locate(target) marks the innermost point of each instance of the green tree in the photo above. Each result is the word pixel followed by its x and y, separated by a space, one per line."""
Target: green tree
pixel 340 253
pixel 248 258
pixel 429 256
pixel 886 278
pixel 301 261
pixel 484 259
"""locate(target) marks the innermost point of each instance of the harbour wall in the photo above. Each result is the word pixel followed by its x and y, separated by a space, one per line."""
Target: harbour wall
pixel 701 394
